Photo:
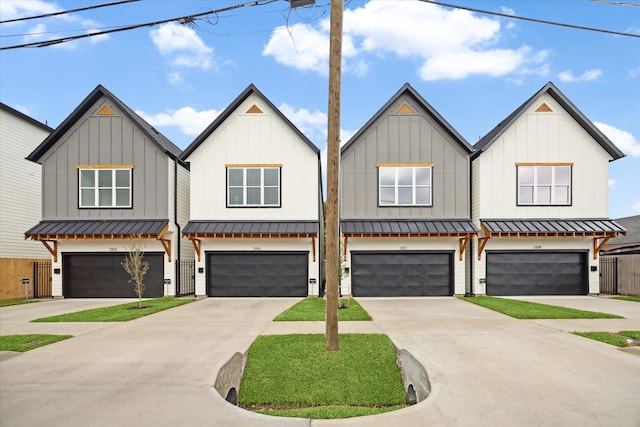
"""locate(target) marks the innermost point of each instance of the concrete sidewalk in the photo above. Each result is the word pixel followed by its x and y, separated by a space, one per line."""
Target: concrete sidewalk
pixel 485 368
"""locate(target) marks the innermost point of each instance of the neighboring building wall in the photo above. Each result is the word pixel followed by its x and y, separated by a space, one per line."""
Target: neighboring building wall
pixel 404 138
pixel 21 202
pixel 541 137
pixel 186 249
pixel 19 186
pixel 254 138
pixel 104 140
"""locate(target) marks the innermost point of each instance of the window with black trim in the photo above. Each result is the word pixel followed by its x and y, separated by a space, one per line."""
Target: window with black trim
pixel 104 187
pixel 544 185
pixel 404 185
pixel 253 186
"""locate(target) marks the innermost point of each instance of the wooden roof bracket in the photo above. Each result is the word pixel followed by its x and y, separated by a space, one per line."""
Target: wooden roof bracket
pixel 166 244
pixel 463 243
pixel 482 241
pixel 597 247
pixel 197 244
pixel 52 250
pixel 344 248
pixel 313 247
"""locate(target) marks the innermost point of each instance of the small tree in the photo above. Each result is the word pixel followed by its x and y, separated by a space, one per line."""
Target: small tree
pixel 135 264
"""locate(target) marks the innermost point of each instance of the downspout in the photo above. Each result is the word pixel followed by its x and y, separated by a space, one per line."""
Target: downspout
pixel 470 254
pixel 175 221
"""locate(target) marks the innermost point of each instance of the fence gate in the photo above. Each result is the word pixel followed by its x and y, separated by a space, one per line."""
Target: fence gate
pixel 42 279
pixel 187 282
pixel 608 275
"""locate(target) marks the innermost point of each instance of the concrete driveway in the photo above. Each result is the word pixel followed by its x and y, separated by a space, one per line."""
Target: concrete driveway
pixel 486 368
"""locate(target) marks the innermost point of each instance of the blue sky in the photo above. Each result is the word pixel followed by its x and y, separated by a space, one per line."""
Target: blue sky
pixel 474 69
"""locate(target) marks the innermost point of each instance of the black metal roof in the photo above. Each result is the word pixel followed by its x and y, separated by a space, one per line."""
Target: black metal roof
pixel 552 226
pixel 486 141
pixel 406 227
pixel 409 90
pixel 66 229
pixel 228 228
pixel 251 89
pixel 154 136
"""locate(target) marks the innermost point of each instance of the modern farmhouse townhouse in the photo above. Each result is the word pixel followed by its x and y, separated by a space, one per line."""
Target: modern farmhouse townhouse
pixel 540 196
pixel 404 205
pixel 110 181
pixel 256 204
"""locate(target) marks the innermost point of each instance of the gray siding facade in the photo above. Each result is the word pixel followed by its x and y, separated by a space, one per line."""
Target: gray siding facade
pixel 108 139
pixel 401 135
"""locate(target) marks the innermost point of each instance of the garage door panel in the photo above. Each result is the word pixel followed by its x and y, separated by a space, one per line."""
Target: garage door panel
pixel 101 275
pixel 263 274
pixel 536 273
pixel 401 274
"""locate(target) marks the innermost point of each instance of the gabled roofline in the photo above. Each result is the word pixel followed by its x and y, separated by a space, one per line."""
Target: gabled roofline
pixel 487 140
pixel 224 115
pixel 26 118
pixel 154 136
pixel 407 88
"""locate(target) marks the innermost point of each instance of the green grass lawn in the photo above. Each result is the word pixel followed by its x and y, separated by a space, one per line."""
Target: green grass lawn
pixel 618 339
pixel 8 302
pixel 532 310
pixel 119 313
pixel 313 309
pixel 627 298
pixel 294 375
pixel 28 342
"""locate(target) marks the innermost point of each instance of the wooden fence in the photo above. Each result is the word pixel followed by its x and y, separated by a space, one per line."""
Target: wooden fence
pixel 620 274
pixel 13 270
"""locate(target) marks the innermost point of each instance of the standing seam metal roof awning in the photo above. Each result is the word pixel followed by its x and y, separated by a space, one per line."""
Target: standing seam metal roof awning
pixel 197 230
pixel 407 228
pixel 462 229
pixel 52 231
pixel 600 229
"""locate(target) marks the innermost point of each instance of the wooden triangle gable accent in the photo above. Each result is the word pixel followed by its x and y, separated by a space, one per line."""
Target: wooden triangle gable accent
pixel 544 108
pixel 254 110
pixel 105 111
pixel 405 109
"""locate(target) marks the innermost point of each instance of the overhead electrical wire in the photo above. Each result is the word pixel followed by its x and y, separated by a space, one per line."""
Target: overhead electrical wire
pixel 186 20
pixel 65 12
pixel 540 21
pixel 190 20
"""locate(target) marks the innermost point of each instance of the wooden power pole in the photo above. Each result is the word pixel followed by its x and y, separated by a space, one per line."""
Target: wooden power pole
pixel 333 156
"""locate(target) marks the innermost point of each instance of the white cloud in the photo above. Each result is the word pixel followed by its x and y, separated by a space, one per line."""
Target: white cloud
pixel 174 78
pixel 624 140
pixel 183 45
pixel 636 206
pixel 507 10
pixel 190 121
pixel 447 44
pixel 589 75
pixel 635 73
pixel 612 183
pixel 311 124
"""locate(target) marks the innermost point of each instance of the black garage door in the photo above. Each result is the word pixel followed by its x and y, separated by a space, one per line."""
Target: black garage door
pixel 100 275
pixel 257 274
pixel 390 274
pixel 536 273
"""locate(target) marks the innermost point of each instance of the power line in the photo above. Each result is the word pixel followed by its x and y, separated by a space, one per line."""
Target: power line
pixel 188 19
pixel 617 3
pixel 540 21
pixel 65 12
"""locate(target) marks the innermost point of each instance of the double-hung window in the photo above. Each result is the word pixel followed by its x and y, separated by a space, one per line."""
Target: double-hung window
pixel 544 184
pixel 405 185
pixel 104 186
pixel 253 186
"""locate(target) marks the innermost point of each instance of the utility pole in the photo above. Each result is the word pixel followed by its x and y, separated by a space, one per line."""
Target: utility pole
pixel 333 156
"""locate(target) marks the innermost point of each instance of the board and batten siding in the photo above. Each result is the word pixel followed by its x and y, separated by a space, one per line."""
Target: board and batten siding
pixel 404 138
pixel 20 179
pixel 258 139
pixel 105 140
pixel 542 137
